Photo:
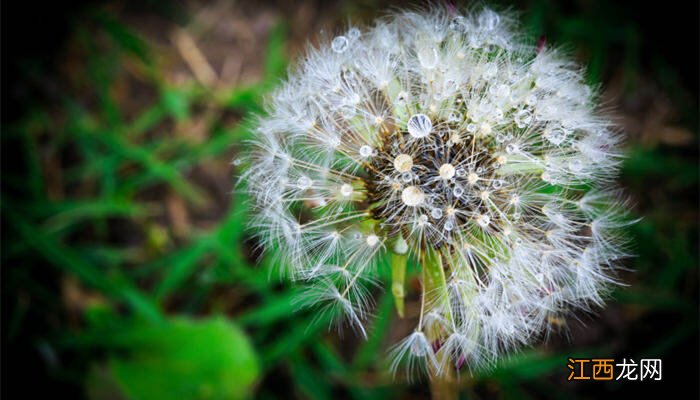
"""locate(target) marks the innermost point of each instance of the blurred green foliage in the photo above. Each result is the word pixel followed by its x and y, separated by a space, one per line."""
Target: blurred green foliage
pixel 91 198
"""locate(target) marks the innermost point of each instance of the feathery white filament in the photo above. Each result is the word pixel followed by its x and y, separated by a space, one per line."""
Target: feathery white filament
pixel 439 132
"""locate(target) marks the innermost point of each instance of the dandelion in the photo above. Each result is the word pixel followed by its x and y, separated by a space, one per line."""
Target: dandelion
pixel 449 141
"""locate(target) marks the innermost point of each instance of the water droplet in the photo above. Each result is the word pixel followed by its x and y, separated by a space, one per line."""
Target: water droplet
pixel 407 177
pixel 488 20
pixel 555 135
pixel 522 118
pixel 339 44
pixel 461 172
pixel 458 191
pixel 428 57
pixel 237 161
pixel 449 225
pixel 353 33
pixel 471 127
pixel 423 219
pixel 483 220
pixel 304 182
pixel 365 151
pixel 346 190
pixel 419 126
pixel 436 213
pixel 447 171
pixel 334 141
pixel 511 148
pixel 372 240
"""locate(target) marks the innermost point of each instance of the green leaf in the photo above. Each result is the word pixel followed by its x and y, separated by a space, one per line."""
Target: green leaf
pixel 182 359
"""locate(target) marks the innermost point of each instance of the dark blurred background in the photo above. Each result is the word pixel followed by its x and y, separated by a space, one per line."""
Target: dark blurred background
pixel 126 269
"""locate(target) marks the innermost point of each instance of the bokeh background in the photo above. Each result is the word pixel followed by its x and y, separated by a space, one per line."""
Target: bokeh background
pixel 126 268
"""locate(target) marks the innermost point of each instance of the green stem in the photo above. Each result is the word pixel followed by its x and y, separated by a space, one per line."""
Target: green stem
pixel 398 281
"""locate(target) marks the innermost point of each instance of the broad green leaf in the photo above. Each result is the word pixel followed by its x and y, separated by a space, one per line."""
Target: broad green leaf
pixel 182 359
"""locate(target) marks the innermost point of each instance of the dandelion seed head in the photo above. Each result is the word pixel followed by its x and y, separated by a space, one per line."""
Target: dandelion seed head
pixel 435 132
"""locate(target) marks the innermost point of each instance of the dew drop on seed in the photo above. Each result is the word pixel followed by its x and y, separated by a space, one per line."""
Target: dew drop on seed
pixel 339 44
pixel 353 33
pixel 511 148
pixel 428 57
pixel 497 184
pixel 523 118
pixel 419 126
pixel 365 151
pixel 407 177
pixel 346 190
pixel 304 182
pixel 372 240
pixel 436 213
pixel 555 136
pixel 483 220
pixel 458 191
pixel 237 161
pixel 488 20
pixel 334 141
pixel 471 127
pixel 449 225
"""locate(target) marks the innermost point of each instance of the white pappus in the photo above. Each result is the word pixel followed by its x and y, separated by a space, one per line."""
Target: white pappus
pixel 448 139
